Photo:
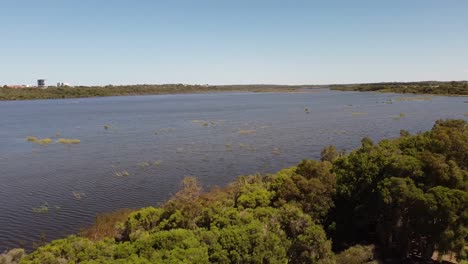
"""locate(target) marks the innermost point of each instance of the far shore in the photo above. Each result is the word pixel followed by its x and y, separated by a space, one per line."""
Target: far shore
pixel 431 88
pixel 10 94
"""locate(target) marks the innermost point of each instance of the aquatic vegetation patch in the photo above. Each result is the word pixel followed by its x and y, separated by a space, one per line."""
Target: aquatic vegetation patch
pixel 247 147
pixel 358 113
pixel 180 150
pixel 123 173
pixel 247 132
pixel 40 141
pixel 157 163
pixel 79 195
pixel 165 130
pixel 31 139
pixel 144 164
pixel 45 208
pixel 45 141
pixel 228 146
pixel 306 110
pixel 204 122
pixel 68 141
pixel 107 126
pixel 340 131
pixel 276 151
pixel 400 116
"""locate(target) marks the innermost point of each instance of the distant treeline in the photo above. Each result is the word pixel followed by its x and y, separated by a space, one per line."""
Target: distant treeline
pixel 430 87
pixel 401 199
pixel 110 90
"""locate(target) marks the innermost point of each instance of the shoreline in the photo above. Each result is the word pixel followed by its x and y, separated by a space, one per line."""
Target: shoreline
pixel 28 94
pixel 392 92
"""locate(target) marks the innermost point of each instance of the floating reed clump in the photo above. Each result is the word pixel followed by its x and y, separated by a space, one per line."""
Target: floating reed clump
pixel 144 164
pixel 180 150
pixel 306 110
pixel 401 115
pixel 106 127
pixel 276 151
pixel 228 146
pixel 79 195
pixel 123 173
pixel 157 163
pixel 358 113
pixel 68 141
pixel 45 208
pixel 247 147
pixel 31 139
pixel 45 141
pixel 247 132
pixel 40 141
pixel 204 122
pixel 164 130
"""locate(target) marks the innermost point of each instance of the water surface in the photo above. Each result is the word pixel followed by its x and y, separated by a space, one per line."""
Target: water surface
pixel 157 140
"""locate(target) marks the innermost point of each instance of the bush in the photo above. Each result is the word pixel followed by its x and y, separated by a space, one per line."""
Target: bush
pixel 356 255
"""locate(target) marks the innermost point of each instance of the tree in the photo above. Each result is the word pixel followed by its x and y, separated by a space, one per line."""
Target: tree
pixel 329 153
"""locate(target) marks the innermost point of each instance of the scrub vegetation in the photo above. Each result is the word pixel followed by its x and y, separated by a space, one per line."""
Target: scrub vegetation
pixel 430 87
pixel 398 200
pixel 140 89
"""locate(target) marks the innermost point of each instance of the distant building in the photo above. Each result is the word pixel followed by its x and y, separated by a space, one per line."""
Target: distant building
pixel 63 84
pixel 41 83
pixel 17 86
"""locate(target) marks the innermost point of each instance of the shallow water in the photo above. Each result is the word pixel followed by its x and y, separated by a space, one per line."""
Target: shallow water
pixel 158 141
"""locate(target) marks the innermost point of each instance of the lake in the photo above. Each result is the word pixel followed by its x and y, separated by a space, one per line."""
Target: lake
pixel 53 190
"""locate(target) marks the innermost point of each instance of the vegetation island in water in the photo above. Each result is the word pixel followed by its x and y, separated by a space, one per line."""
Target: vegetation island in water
pixel 401 200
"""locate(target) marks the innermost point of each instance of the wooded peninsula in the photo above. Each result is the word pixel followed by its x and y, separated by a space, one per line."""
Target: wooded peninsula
pixel 430 87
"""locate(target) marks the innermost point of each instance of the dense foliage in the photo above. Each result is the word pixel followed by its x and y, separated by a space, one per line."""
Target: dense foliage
pixel 407 196
pixel 110 90
pixel 445 88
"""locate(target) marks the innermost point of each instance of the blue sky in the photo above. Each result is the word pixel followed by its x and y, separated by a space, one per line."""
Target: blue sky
pixel 232 42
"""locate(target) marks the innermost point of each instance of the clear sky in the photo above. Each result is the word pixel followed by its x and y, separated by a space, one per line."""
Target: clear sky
pixel 232 42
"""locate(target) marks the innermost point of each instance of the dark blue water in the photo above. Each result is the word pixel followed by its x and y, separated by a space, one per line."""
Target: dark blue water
pixel 156 140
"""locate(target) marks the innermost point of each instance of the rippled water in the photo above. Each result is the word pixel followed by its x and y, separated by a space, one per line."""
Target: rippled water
pixel 157 140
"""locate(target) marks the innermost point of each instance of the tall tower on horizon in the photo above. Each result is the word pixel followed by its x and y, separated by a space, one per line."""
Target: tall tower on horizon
pixel 41 83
